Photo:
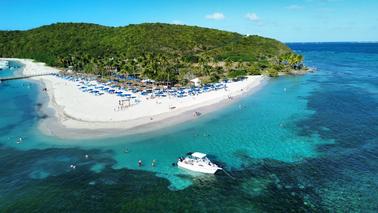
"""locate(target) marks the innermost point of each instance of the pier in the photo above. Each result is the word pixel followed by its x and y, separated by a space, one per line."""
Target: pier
pixel 24 76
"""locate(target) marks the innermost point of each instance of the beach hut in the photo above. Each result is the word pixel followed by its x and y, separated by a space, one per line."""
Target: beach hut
pixel 196 82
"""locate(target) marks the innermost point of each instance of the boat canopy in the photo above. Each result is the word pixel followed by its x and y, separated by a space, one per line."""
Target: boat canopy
pixel 198 155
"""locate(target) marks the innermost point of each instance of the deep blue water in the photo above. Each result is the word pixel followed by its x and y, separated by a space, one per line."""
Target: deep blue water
pixel 301 143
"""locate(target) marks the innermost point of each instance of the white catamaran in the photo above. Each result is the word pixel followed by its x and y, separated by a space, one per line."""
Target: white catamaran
pixel 198 162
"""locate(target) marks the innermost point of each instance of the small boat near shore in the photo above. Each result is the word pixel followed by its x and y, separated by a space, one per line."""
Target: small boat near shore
pixel 4 65
pixel 198 162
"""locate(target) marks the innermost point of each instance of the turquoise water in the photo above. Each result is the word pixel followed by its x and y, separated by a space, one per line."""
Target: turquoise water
pixel 305 143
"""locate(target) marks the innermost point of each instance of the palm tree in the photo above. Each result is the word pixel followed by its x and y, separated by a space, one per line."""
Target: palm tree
pixel 133 65
pixel 228 64
pixel 124 67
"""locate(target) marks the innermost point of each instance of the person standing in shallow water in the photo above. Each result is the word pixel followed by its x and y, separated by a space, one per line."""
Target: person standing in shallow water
pixel 153 163
pixel 140 163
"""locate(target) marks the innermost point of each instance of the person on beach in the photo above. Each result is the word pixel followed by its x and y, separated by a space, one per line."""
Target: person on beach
pixel 196 114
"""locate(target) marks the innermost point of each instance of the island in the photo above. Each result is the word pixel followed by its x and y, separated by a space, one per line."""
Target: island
pixel 132 79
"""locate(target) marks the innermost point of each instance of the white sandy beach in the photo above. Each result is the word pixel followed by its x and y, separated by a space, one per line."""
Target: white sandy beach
pixel 75 109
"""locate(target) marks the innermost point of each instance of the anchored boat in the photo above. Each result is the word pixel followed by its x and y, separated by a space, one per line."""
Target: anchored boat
pixel 198 162
pixel 4 65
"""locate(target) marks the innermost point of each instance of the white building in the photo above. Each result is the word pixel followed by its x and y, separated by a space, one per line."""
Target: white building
pixel 196 82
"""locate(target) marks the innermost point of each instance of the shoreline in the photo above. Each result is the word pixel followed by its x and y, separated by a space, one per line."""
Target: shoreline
pixel 67 119
pixel 53 126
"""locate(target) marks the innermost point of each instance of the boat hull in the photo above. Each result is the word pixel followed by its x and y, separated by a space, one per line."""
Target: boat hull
pixel 197 168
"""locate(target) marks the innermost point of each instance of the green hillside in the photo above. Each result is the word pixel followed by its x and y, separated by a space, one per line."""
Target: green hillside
pixel 151 50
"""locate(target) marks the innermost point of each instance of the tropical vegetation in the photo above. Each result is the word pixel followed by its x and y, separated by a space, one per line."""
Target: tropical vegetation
pixel 162 52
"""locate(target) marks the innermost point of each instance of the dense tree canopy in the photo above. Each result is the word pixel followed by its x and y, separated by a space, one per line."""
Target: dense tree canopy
pixel 162 52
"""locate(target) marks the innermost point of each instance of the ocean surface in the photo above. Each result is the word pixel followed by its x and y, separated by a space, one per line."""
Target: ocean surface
pixel 300 144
